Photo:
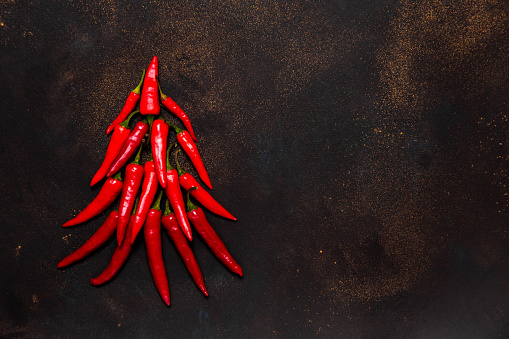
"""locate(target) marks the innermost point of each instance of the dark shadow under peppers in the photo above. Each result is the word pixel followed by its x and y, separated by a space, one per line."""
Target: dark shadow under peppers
pixel 175 197
pixel 148 192
pixel 132 183
pixel 216 245
pixel 130 103
pixel 158 141
pixel 191 150
pixel 152 235
pixel 187 181
pixel 108 193
pixel 130 146
pixel 169 222
pixel 117 141
pixel 119 256
pixel 100 236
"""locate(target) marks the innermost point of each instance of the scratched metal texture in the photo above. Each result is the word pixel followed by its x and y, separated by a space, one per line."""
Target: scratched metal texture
pixel 362 145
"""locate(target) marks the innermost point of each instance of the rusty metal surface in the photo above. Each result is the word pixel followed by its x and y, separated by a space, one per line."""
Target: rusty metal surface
pixel 362 145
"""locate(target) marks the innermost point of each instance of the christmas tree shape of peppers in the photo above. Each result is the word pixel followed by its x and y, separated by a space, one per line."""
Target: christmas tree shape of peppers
pixel 137 183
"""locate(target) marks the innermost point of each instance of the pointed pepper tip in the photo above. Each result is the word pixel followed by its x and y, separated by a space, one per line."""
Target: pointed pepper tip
pixel 238 270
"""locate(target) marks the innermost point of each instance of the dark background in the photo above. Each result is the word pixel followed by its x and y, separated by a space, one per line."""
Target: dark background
pixel 362 145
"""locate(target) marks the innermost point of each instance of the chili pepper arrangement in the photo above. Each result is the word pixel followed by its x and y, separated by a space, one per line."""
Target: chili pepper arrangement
pixel 141 188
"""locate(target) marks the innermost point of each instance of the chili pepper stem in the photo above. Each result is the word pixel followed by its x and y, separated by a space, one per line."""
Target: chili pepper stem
pixel 168 151
pixel 177 130
pixel 150 119
pixel 118 176
pixel 161 95
pixel 179 169
pixel 167 209
pixel 125 123
pixel 157 202
pixel 137 90
pixel 137 158
pixel 189 205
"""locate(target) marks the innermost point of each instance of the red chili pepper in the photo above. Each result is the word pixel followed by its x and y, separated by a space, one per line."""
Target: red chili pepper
pixel 172 227
pixel 132 183
pixel 187 181
pixel 152 232
pixel 108 193
pixel 102 234
pixel 148 192
pixel 191 150
pixel 119 255
pixel 149 103
pixel 130 146
pixel 175 197
pixel 118 138
pixel 202 226
pixel 177 111
pixel 158 140
pixel 129 105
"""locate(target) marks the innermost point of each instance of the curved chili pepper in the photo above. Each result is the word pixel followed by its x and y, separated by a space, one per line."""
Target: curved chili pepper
pixel 187 181
pixel 129 105
pixel 179 240
pixel 132 183
pixel 172 106
pixel 108 193
pixel 148 192
pixel 149 103
pixel 100 236
pixel 175 197
pixel 152 233
pixel 158 140
pixel 191 150
pixel 118 138
pixel 119 255
pixel 130 146
pixel 202 226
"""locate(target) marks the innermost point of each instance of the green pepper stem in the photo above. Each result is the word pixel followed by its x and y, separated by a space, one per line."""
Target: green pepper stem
pixel 168 151
pixel 125 123
pixel 177 130
pixel 135 205
pixel 163 97
pixel 138 156
pixel 118 176
pixel 179 169
pixel 150 119
pixel 157 203
pixel 189 205
pixel 138 88
pixel 167 209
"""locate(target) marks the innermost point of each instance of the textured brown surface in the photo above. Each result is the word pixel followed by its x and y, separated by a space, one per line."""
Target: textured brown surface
pixel 363 146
